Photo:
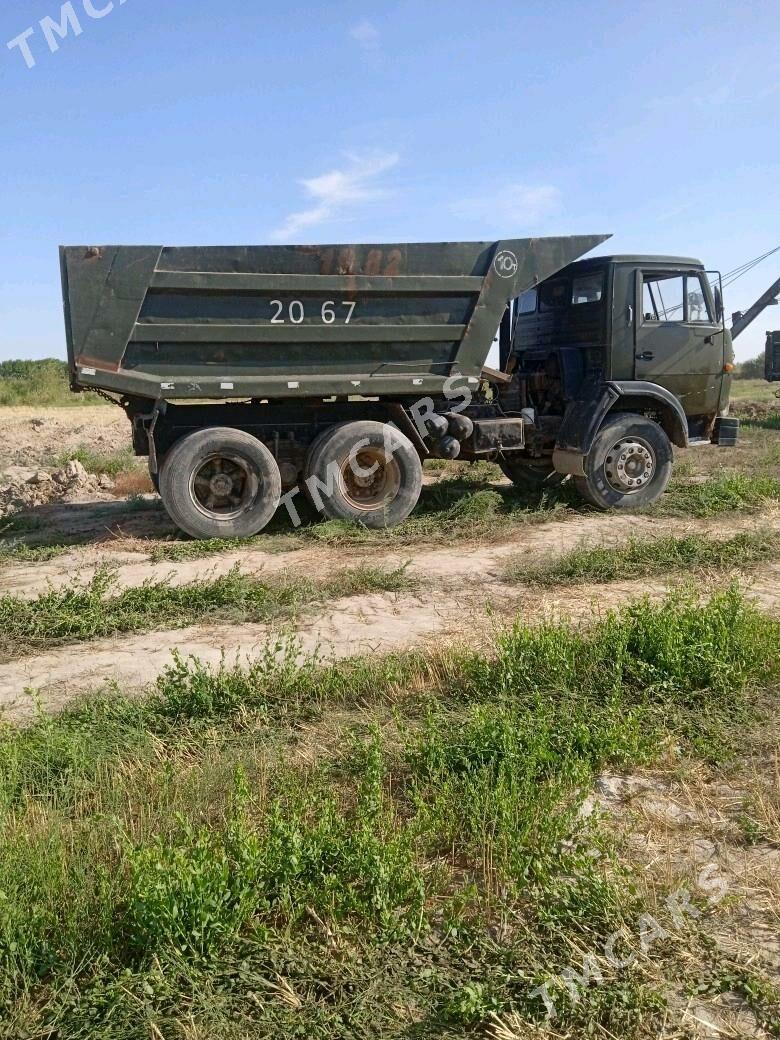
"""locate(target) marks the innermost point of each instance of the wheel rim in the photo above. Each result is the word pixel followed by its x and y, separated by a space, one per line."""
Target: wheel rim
pixel 630 465
pixel 224 486
pixel 370 479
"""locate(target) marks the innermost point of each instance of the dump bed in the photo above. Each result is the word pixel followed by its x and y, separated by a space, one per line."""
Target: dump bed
pixel 294 321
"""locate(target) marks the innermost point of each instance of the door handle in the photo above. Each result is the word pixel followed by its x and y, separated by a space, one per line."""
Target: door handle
pixel 646 355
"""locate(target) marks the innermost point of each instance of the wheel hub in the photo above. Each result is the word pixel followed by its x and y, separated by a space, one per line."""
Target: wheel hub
pixel 630 465
pixel 370 480
pixel 224 486
pixel 221 485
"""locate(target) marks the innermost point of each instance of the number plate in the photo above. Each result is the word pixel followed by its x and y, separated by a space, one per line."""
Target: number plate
pixel 295 312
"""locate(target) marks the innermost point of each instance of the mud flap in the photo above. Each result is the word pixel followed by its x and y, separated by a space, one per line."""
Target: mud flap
pixel 581 423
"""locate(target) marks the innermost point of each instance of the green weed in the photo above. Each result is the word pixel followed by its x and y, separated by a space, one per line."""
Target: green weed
pixel 80 611
pixel 638 558
pixel 112 465
pixel 13 551
pixel 728 492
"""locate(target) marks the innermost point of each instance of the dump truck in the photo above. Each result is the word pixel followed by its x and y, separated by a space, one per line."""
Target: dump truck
pixel 250 374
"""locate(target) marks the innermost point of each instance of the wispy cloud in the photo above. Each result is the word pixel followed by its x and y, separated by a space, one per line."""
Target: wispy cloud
pixel 512 206
pixel 334 192
pixel 366 34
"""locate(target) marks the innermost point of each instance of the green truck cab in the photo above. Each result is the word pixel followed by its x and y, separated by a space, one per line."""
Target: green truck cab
pixel 253 374
pixel 633 343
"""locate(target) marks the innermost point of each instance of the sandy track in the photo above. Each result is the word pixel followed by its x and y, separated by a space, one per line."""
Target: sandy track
pixel 474 561
pixel 355 625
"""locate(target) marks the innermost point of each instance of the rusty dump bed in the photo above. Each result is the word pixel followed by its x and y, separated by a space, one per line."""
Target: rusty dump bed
pixel 294 321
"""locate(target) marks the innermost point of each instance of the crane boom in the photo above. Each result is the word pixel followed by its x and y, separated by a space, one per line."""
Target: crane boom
pixel 740 320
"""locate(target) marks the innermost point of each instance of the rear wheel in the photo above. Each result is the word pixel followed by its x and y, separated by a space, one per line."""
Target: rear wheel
pixel 220 483
pixel 367 472
pixel 629 465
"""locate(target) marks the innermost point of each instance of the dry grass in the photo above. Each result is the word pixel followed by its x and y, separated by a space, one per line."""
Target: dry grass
pixel 136 482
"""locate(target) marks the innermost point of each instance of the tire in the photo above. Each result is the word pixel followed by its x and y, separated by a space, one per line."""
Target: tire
pixel 629 465
pixel 366 472
pixel 530 474
pixel 220 483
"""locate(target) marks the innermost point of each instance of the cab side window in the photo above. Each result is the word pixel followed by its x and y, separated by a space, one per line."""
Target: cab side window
pixel 696 301
pixel 588 288
pixel 663 297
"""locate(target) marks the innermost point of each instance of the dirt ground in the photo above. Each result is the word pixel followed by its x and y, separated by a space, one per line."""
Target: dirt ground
pixel 460 591
pixel 32 437
pixel 675 826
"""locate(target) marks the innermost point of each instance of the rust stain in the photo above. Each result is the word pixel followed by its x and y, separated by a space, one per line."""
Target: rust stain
pixel 326 261
pixel 346 261
pixel 394 262
pixel 373 263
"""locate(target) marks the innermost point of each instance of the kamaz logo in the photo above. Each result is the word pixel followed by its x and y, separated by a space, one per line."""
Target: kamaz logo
pixel 506 264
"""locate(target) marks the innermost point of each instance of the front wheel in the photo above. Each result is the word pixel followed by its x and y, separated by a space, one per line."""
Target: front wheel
pixel 220 483
pixel 629 465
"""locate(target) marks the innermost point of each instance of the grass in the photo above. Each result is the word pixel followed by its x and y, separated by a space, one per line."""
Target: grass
pixel 176 865
pixel 757 390
pixel 721 493
pixel 81 611
pixel 39 384
pixel 15 549
pixel 638 558
pixel 112 465
pixel 770 421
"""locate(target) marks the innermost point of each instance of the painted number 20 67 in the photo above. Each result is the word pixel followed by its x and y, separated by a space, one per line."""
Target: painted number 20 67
pixel 295 312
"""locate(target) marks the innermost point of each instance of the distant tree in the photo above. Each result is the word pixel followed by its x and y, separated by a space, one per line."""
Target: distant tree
pixel 39 383
pixel 753 369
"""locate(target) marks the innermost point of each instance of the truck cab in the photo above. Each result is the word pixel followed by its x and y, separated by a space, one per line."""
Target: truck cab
pixel 613 336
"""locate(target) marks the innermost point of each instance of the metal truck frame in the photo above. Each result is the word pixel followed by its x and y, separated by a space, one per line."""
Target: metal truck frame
pixel 249 371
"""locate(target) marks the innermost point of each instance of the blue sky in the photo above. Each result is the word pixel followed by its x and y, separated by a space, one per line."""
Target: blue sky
pixel 195 122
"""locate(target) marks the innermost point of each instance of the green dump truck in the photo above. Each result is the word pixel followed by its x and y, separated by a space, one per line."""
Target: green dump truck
pixel 250 374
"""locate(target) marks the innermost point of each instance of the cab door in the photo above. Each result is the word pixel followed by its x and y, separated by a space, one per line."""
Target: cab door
pixel 679 341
